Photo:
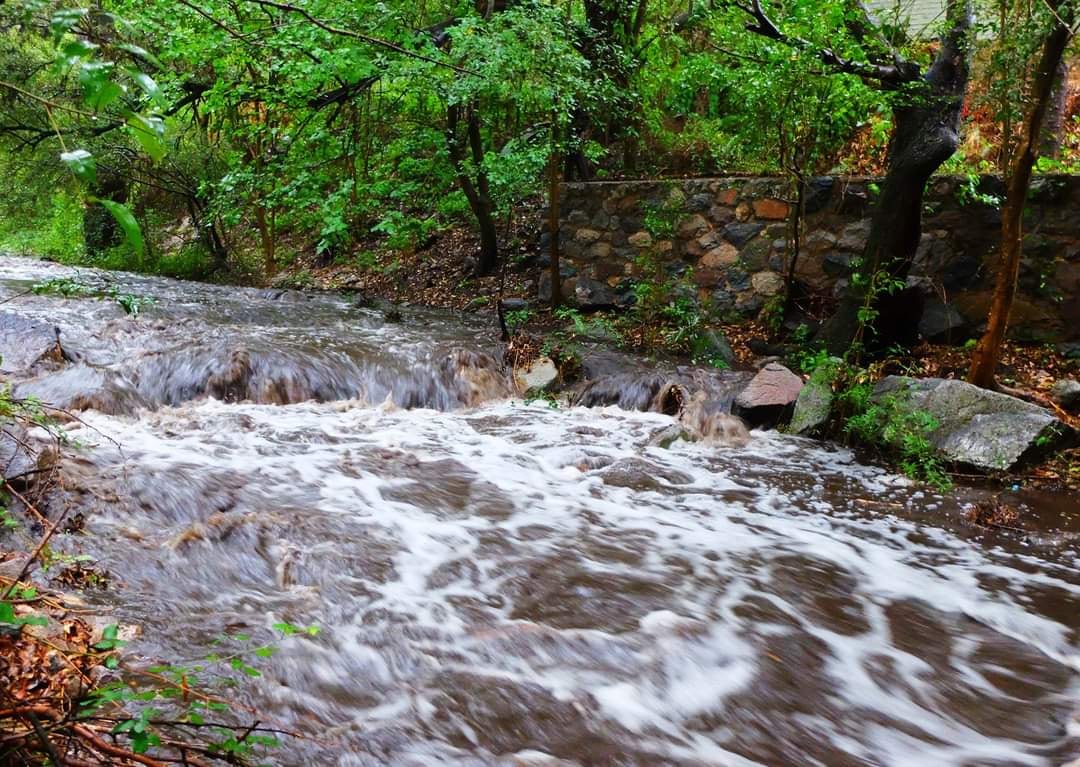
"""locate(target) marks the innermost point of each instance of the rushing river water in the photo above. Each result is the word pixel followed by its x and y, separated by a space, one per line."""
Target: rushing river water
pixel 502 583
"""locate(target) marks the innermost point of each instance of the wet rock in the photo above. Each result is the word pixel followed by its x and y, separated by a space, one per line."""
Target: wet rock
pixel 587 236
pixel 813 404
pixel 640 239
pixel 17 456
pixel 537 375
pixel 818 193
pixel 770 209
pixel 82 387
pixel 593 294
pixel 1067 394
pixel 976 428
pixel 741 233
pixel 515 304
pixel 854 236
pixel 26 344
pixel 767 283
pixel 768 395
pixel 836 264
pixel 755 256
pixel 639 474
pixel 713 344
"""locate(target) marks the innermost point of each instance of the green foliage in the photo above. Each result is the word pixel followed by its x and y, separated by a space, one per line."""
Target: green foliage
pixel 182 696
pixel 68 287
pixel 517 319
pixel 886 424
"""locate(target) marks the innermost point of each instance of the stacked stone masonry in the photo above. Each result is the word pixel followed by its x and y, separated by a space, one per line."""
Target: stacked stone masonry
pixel 729 237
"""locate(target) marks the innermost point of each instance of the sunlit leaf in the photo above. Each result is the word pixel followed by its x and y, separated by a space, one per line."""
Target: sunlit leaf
pixel 81 163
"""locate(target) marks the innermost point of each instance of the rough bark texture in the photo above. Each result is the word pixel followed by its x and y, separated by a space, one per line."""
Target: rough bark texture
pixel 985 358
pixel 1050 142
pixel 926 133
pixel 477 193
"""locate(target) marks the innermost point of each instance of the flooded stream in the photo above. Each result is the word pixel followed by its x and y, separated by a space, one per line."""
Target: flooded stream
pixel 506 583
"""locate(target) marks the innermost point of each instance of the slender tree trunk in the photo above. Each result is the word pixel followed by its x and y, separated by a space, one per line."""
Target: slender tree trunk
pixel 478 193
pixel 795 224
pixel 926 133
pixel 553 222
pixel 987 353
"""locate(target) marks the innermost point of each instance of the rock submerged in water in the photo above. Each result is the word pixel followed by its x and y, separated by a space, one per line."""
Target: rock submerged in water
pixel 83 387
pixel 976 428
pixel 27 344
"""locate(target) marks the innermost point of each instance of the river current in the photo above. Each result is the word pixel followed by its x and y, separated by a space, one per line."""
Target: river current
pixel 499 582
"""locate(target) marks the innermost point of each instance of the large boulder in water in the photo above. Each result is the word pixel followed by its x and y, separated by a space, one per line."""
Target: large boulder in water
pixel 82 387
pixel 26 344
pixel 814 403
pixel 976 428
pixel 769 395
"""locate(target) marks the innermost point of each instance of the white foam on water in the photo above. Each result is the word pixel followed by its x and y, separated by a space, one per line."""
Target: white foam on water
pixel 627 604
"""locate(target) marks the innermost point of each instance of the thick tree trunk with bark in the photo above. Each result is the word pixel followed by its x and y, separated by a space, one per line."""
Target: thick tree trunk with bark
pixel 984 361
pixel 926 133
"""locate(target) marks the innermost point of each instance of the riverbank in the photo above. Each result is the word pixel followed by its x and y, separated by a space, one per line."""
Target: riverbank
pixel 441 276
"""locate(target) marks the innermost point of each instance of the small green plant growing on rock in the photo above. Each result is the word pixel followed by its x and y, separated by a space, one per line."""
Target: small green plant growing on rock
pixel 888 425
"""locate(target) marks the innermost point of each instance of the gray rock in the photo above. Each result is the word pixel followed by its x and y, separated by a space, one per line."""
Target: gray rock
pixel 942 322
pixel 537 375
pixel 818 193
pixel 813 404
pixel 514 304
pixel 1067 394
pixel 25 343
pixel 17 456
pixel 768 395
pixel 854 236
pixel 836 264
pixel 755 256
pixel 593 294
pixel 976 428
pixel 1071 349
pixel 82 387
pixel 738 279
pixel 713 344
pixel 699 203
pixel 739 234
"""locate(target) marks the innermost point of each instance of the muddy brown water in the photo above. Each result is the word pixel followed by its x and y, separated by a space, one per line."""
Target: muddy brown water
pixel 503 583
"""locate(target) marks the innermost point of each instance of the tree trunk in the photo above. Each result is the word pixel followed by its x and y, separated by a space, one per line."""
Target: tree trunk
pixel 1054 126
pixel 926 133
pixel 478 193
pixel 553 220
pixel 984 360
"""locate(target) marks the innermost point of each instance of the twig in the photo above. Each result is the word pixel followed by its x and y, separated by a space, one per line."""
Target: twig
pixel 88 734
pixel 43 737
pixel 37 550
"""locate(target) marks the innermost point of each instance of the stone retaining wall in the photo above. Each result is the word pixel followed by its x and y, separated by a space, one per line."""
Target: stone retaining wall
pixel 729 236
